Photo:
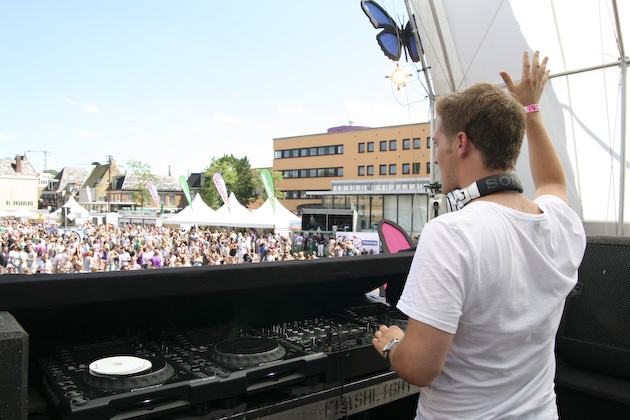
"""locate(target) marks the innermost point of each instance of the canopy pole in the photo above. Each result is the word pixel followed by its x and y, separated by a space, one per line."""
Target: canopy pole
pixel 416 39
pixel 433 176
pixel 622 169
pixel 622 152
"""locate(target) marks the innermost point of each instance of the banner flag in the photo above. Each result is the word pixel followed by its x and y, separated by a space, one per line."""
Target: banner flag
pixel 186 188
pixel 267 180
pixel 220 184
pixel 154 192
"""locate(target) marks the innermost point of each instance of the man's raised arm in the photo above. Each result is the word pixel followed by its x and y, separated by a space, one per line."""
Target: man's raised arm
pixel 547 170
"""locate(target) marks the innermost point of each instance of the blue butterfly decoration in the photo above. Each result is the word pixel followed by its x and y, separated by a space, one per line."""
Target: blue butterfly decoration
pixel 392 39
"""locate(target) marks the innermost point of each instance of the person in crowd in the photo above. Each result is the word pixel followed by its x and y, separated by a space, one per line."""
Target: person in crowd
pixel 124 257
pixel 4 256
pixel 31 259
pixel 14 256
pixel 487 285
pixel 155 261
pixel 44 266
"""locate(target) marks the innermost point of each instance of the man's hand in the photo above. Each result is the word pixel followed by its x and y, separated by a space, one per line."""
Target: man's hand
pixel 544 162
pixel 529 89
pixel 384 335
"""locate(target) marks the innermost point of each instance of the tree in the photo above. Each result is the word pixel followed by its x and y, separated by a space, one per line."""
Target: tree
pixel 51 171
pixel 142 173
pixel 277 179
pixel 238 179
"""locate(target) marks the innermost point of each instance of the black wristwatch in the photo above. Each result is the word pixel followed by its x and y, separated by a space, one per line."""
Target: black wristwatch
pixel 388 347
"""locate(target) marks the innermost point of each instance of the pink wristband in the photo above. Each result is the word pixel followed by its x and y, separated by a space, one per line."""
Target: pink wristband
pixel 532 108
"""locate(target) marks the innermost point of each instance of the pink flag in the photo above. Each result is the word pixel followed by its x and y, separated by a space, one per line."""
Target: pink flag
pixel 220 184
pixel 154 192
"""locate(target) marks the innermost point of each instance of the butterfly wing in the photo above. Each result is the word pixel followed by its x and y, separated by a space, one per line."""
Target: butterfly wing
pixel 390 43
pixel 389 38
pixel 410 42
pixel 378 16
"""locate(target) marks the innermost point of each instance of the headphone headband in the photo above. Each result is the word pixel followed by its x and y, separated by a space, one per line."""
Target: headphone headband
pixel 457 199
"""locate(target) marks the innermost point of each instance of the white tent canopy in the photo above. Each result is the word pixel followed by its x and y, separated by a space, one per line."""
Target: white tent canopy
pixel 76 211
pixel 583 104
pixel 283 219
pixel 235 215
pixel 76 208
pixel 24 214
pixel 196 213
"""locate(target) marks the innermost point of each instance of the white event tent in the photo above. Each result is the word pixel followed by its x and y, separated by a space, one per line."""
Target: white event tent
pixel 196 213
pixel 75 211
pixel 283 219
pixel 236 215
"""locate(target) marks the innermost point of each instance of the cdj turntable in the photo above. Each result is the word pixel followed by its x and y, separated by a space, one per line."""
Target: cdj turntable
pixel 199 371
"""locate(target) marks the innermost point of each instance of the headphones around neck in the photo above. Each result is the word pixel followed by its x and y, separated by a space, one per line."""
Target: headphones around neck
pixel 457 199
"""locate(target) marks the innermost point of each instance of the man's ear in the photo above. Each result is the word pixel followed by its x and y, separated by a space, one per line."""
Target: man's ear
pixel 463 145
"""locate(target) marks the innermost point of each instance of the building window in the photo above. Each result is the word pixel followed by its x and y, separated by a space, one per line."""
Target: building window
pixel 428 142
pixel 392 169
pixel 416 168
pixel 428 167
pixel 361 147
pixel 313 173
pixel 406 144
pixel 309 151
pixel 383 146
pixel 299 194
pixel 392 145
pixel 370 146
pixel 417 143
pixel 361 170
pixel 406 169
pixel 370 170
pixel 383 170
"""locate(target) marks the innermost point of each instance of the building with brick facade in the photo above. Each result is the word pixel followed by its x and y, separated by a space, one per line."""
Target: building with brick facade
pixel 352 177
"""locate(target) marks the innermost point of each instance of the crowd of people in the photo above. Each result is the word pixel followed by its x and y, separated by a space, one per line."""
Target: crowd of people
pixel 30 248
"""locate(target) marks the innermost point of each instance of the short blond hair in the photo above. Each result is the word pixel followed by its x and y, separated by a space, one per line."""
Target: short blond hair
pixel 493 119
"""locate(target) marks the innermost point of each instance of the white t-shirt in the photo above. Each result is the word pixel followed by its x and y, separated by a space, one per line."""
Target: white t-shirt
pixel 497 278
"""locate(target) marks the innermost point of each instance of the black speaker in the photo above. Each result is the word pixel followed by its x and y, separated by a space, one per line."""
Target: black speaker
pixel 13 369
pixel 595 330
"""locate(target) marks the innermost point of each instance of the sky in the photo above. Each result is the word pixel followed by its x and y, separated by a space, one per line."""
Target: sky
pixel 175 84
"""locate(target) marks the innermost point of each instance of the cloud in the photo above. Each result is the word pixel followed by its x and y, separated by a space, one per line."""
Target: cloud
pixel 91 108
pixel 224 119
pixel 355 106
pixel 134 128
pixel 289 110
pixel 85 133
pixel 69 101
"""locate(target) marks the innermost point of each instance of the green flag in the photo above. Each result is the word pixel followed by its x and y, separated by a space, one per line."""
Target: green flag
pixel 184 182
pixel 267 180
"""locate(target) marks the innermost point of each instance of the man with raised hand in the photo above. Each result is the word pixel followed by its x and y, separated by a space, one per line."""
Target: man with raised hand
pixel 486 289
